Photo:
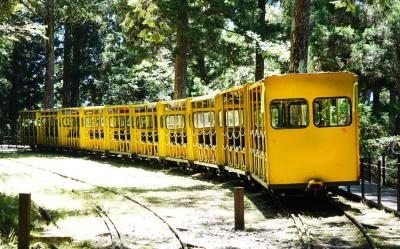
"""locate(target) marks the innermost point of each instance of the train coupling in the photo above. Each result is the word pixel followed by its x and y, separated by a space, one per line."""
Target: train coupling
pixel 315 185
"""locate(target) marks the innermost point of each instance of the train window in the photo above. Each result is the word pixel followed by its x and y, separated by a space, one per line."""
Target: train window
pixel 257 118
pixel 75 122
pixel 175 121
pixel 289 113
pixel 113 122
pixel 149 121
pixel 203 119
pixel 298 114
pixel 122 122
pixel 332 112
pixel 141 122
pixel 234 118
pixel 65 122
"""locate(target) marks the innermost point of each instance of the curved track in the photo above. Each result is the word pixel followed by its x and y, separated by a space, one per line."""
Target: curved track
pixel 112 229
pixel 103 214
pixel 324 224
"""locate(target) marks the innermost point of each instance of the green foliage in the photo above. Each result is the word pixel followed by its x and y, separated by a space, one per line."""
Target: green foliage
pixel 9 220
pixel 6 8
pixel 127 50
pixel 144 22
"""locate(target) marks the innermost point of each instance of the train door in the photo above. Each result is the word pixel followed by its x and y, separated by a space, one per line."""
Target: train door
pixel 146 130
pixel 232 119
pixel 69 127
pixel 257 135
pixel 205 131
pixel 93 128
pixel 176 129
pixel 119 129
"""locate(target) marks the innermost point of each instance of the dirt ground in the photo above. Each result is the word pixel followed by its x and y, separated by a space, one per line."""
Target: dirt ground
pixel 198 207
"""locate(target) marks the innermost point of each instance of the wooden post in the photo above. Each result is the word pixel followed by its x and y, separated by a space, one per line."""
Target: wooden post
pixel 24 215
pixel 378 184
pixel 398 183
pixel 239 208
pixel 369 167
pixel 383 169
pixel 362 178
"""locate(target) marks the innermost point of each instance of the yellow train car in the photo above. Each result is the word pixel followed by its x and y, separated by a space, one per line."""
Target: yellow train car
pixel 206 132
pixel 257 132
pixel 119 120
pixel 232 119
pixel 146 132
pixel 47 128
pixel 311 130
pixel 93 130
pixel 69 127
pixel 286 131
pixel 176 140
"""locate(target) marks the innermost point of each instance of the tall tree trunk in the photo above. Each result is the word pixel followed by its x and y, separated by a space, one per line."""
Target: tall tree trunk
pixel 48 100
pixel 261 31
pixel 17 68
pixel 299 36
pixel 67 66
pixel 201 66
pixel 396 130
pixel 392 110
pixel 376 102
pixel 181 52
pixel 79 37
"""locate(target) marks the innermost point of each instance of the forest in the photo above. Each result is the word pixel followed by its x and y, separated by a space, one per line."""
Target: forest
pixel 61 53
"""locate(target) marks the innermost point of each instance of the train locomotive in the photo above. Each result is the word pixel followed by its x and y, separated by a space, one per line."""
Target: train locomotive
pixel 294 131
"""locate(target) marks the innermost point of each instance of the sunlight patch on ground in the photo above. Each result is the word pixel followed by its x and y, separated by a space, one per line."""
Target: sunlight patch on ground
pixel 200 209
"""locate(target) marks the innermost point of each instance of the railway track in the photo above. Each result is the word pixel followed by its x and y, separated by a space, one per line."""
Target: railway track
pixel 112 228
pixel 324 223
pixel 93 203
pixel 315 220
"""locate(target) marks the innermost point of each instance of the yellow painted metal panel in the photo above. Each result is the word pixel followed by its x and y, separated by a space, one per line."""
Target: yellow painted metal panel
pixel 147 131
pixel 118 124
pixel 176 119
pixel 233 119
pixel 204 126
pixel 69 127
pixel 93 128
pixel 257 123
pixel 299 155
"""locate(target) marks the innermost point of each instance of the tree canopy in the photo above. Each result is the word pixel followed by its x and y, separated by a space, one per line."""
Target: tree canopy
pixel 129 51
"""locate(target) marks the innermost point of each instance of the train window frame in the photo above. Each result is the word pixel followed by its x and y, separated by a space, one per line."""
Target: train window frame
pixel 287 112
pixel 333 97
pixel 211 119
pixel 239 117
pixel 140 120
pixel 167 124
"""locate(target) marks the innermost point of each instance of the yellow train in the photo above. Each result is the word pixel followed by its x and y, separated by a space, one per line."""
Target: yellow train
pixel 286 131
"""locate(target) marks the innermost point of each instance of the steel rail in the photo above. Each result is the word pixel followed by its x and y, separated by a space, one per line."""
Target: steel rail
pixel 172 229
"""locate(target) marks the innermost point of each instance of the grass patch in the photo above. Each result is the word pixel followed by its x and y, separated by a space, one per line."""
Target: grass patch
pixel 25 154
pixel 9 218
